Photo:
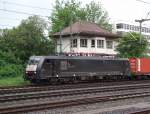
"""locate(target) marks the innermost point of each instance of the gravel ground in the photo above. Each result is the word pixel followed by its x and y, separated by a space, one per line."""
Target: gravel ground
pixel 52 99
pixel 110 107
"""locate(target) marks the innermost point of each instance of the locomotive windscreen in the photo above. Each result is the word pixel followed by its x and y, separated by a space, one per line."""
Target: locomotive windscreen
pixel 34 61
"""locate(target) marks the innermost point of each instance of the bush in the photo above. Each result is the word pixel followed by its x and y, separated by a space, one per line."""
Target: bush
pixel 10 71
pixel 9 65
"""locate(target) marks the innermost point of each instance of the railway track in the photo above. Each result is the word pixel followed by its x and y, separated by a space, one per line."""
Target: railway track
pixel 68 92
pixel 66 103
pixel 142 112
pixel 33 88
pixel 52 92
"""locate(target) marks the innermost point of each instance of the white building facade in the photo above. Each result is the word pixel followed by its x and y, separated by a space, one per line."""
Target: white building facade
pixel 92 45
pixel 122 27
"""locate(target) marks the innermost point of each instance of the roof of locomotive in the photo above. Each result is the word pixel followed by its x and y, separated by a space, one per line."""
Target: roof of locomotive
pixel 78 58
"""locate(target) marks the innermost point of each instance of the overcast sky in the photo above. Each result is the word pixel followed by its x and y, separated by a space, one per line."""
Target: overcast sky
pixel 125 10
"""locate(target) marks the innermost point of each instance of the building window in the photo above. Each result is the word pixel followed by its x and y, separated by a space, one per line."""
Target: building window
pixel 83 42
pixel 119 26
pixel 127 26
pixel 132 27
pixel 100 43
pixel 73 42
pixel 148 30
pixel 136 28
pixel 92 43
pixel 143 29
pixel 109 44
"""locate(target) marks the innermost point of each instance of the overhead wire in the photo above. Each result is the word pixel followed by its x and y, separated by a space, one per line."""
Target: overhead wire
pixel 143 1
pixel 19 12
pixel 6 25
pixel 12 19
pixel 24 5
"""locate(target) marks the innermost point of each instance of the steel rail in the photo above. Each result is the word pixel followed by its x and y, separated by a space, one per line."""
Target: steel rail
pixel 59 104
pixel 59 87
pixel 69 92
pixel 142 112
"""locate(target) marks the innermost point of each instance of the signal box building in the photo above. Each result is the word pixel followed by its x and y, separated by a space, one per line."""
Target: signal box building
pixel 86 39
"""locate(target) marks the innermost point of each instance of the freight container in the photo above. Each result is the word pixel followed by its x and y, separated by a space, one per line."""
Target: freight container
pixel 140 66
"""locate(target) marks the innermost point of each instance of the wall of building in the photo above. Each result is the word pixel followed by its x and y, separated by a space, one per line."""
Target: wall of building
pixel 66 46
pixel 125 27
pixel 128 27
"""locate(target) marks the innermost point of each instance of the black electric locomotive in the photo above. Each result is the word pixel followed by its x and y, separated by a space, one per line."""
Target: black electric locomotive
pixel 75 68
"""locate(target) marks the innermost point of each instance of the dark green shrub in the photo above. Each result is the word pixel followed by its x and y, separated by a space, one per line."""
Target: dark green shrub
pixel 9 65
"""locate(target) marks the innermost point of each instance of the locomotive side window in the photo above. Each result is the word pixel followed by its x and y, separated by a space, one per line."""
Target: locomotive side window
pixel 71 64
pixel 63 65
pixel 107 62
pixel 48 61
pixel 101 62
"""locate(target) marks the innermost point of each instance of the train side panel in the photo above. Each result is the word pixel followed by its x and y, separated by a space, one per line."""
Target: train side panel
pixel 140 66
pixel 95 67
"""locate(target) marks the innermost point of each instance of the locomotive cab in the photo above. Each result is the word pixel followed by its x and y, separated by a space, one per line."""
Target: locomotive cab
pixel 47 69
pixel 31 69
pixel 40 68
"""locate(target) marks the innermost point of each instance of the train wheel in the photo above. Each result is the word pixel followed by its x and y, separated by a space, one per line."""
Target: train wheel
pixel 119 78
pixel 33 81
pixel 75 79
pixel 54 81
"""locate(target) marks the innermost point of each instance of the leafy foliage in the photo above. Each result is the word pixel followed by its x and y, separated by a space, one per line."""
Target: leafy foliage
pixel 9 65
pixel 95 13
pixel 66 13
pixel 131 46
pixel 27 39
pixel 18 44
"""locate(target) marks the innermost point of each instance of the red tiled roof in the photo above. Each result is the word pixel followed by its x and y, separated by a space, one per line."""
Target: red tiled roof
pixel 85 28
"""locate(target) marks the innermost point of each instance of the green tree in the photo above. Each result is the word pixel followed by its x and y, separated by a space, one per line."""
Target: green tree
pixel 131 46
pixel 95 13
pixel 66 13
pixel 27 39
pixel 10 66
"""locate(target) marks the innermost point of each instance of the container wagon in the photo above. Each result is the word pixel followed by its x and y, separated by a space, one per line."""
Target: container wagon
pixel 140 67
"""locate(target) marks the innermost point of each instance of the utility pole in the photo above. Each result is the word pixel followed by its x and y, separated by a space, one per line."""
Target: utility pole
pixel 71 35
pixel 71 22
pixel 60 43
pixel 141 21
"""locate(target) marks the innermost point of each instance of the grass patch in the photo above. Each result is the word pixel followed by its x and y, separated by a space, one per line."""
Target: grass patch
pixel 13 81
